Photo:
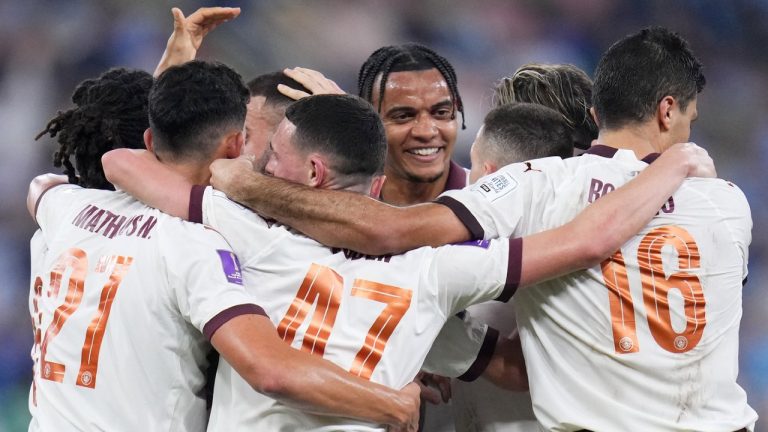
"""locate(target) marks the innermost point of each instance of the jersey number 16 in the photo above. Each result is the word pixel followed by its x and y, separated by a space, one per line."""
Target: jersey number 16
pixel 656 289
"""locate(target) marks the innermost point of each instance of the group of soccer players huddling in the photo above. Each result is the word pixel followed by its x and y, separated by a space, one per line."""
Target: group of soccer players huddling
pixel 282 256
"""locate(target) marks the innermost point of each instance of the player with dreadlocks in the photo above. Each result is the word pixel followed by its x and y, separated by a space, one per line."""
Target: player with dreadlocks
pixel 110 112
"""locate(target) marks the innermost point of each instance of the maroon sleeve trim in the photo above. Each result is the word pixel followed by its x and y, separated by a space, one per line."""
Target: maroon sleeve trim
pixel 196 204
pixel 40 198
pixel 227 314
pixel 487 349
pixel 514 268
pixel 465 216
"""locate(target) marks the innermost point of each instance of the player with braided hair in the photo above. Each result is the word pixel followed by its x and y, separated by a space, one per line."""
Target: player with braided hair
pixel 110 112
pixel 415 92
pixel 406 57
pixel 562 87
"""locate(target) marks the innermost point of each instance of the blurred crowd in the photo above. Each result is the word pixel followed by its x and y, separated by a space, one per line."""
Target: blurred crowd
pixel 48 46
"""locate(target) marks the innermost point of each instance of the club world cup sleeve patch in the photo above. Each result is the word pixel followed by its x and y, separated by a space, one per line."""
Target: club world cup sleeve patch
pixel 231 266
pixel 496 186
pixel 478 243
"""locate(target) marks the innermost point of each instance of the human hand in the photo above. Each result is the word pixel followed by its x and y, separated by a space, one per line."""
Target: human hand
pixel 189 32
pixel 697 160
pixel 435 389
pixel 312 80
pixel 411 394
pixel 226 174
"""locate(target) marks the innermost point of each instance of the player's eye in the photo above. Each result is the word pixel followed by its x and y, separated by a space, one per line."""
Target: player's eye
pixel 443 114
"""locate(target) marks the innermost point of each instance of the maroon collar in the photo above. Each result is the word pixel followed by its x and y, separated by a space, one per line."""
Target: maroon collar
pixel 609 152
pixel 457 177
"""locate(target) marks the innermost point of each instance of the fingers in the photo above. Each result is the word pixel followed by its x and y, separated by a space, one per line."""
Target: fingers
pixel 444 384
pixel 212 16
pixel 314 81
pixel 178 19
pixel 291 92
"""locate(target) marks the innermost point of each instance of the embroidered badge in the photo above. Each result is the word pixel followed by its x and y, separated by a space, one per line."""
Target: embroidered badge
pixel 496 186
pixel 231 266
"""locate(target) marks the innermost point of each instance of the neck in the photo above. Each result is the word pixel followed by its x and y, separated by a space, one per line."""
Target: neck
pixel 642 139
pixel 194 172
pixel 399 191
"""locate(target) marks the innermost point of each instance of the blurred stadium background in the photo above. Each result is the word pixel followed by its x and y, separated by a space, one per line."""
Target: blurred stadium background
pixel 48 46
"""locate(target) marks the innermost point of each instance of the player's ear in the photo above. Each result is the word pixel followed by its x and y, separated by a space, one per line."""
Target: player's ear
pixel 593 113
pixel 665 112
pixel 489 167
pixel 377 182
pixel 148 140
pixel 318 171
pixel 234 145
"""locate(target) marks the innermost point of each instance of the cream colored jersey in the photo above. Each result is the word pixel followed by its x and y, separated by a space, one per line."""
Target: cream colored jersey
pixel 38 250
pixel 126 298
pixel 373 316
pixel 648 340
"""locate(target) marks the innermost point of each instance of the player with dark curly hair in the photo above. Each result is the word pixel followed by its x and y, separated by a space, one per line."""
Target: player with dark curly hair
pixel 110 112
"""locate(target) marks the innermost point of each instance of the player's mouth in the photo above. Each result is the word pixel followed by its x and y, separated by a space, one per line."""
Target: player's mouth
pixel 425 154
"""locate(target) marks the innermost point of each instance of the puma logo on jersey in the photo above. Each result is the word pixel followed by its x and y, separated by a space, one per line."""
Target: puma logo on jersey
pixel 530 168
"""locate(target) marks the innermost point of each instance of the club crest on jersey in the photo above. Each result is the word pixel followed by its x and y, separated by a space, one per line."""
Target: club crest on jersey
pixel 231 266
pixel 496 186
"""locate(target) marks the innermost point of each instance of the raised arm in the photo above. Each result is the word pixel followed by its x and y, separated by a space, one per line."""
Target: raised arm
pixel 188 34
pixel 338 218
pixel 250 344
pixel 140 174
pixel 601 229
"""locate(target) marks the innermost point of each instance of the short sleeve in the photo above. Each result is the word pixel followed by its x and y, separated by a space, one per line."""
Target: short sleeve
pixel 499 203
pixel 477 271
pixel 462 349
pixel 206 277
pixel 232 220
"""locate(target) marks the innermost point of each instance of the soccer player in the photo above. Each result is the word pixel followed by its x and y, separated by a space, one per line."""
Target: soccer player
pixel 115 105
pixel 130 295
pixel 646 341
pixel 562 87
pixel 510 133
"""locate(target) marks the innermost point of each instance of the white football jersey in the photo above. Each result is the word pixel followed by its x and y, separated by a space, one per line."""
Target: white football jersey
pixel 373 316
pixel 649 339
pixel 37 252
pixel 126 296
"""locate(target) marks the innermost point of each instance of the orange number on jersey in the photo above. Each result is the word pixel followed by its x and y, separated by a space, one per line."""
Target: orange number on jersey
pixel 324 286
pixel 656 288
pixel 37 317
pixel 397 301
pixel 89 362
pixel 77 260
pixel 622 308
